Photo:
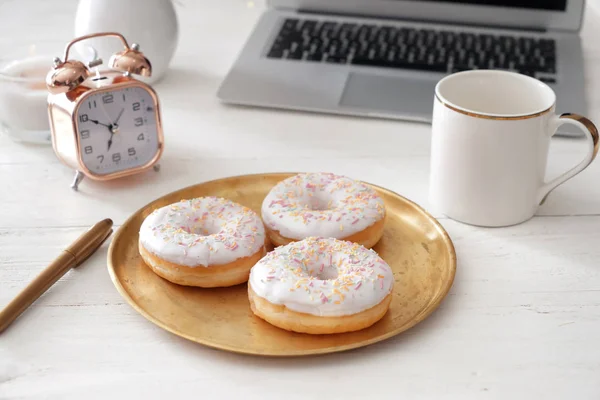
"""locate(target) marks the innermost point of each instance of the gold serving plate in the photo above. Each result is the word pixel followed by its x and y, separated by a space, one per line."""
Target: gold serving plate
pixel 414 244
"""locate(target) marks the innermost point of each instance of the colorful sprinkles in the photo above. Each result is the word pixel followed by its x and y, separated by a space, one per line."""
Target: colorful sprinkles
pixel 316 272
pixel 321 204
pixel 203 231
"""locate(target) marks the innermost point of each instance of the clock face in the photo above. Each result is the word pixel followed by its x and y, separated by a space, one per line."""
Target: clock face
pixel 117 130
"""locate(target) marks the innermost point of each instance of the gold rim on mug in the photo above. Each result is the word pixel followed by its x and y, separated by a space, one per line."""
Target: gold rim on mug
pixel 590 127
pixel 493 117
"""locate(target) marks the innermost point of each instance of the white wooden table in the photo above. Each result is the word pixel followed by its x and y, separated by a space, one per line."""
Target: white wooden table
pixel 522 320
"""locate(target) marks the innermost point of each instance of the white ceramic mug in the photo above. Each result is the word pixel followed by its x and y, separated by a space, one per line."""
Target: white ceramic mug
pixel 490 142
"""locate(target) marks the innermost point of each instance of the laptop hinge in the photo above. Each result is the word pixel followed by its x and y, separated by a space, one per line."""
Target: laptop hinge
pixel 414 20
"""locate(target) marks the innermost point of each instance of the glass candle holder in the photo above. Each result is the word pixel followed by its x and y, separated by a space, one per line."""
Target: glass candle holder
pixel 23 97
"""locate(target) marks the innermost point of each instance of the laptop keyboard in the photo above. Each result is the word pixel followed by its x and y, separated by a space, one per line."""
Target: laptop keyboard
pixel 414 49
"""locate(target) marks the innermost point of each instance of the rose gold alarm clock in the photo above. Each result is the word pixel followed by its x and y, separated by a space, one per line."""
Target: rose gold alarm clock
pixel 104 124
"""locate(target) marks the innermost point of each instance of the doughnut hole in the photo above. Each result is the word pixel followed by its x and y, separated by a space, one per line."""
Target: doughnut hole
pixel 323 272
pixel 204 228
pixel 321 202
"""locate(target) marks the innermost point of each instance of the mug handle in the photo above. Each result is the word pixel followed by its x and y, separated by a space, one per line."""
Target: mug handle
pixel 592 140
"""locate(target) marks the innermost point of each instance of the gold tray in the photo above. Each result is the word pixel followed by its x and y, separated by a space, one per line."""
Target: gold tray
pixel 414 244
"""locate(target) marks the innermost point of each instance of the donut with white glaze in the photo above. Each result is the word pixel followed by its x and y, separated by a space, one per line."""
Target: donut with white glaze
pixel 323 205
pixel 205 242
pixel 321 286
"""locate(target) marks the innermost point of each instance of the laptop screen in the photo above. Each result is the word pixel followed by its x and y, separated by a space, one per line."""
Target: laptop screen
pixel 557 5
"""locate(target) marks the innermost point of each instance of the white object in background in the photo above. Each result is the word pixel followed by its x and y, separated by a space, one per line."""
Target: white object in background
pixel 491 136
pixel 23 93
pixel 150 23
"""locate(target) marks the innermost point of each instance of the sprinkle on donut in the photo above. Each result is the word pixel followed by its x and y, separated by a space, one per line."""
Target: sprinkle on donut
pixel 321 204
pixel 324 277
pixel 203 231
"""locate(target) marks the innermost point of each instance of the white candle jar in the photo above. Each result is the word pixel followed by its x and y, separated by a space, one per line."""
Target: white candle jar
pixel 23 104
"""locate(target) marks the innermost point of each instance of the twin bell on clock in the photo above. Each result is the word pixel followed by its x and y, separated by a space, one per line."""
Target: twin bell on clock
pixel 104 124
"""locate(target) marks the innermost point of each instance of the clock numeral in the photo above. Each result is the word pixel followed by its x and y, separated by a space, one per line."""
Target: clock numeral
pixel 136 106
pixel 116 157
pixel 139 121
pixel 107 98
pixel 131 151
pixel 101 158
pixel 141 136
pixel 85 134
pixel 88 149
pixel 124 97
pixel 92 103
pixel 83 118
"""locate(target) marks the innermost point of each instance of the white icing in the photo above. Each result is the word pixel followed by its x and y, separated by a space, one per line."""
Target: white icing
pixel 321 204
pixel 323 277
pixel 202 232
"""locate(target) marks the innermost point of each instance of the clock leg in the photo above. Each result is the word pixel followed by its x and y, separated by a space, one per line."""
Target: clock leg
pixel 156 167
pixel 77 180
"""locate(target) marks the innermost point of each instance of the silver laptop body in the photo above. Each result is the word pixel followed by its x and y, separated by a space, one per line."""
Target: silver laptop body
pixel 257 79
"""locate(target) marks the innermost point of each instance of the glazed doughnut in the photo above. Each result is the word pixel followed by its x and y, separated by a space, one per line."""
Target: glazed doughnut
pixel 321 286
pixel 206 242
pixel 323 205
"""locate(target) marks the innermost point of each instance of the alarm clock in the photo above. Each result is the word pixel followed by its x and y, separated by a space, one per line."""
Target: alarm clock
pixel 104 124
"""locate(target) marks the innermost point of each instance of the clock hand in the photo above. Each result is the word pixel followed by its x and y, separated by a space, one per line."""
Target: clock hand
pixel 114 127
pixel 100 123
pixel 119 117
pixel 104 111
pixel 113 130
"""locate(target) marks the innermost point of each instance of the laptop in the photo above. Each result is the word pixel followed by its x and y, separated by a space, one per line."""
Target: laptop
pixel 382 58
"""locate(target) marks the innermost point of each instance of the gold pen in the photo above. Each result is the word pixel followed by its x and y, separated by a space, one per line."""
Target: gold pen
pixel 72 257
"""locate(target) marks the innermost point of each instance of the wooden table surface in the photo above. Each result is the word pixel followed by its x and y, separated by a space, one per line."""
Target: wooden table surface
pixel 522 320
